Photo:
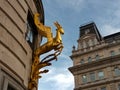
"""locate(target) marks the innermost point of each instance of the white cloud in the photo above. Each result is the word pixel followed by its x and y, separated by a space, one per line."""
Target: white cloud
pixel 72 4
pixel 62 81
pixel 108 29
pixel 57 79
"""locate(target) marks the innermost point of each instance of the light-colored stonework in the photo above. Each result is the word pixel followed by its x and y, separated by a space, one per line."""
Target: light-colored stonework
pixel 15 51
pixel 93 45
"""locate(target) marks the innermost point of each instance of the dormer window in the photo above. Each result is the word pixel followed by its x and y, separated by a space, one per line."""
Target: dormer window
pixel 87 31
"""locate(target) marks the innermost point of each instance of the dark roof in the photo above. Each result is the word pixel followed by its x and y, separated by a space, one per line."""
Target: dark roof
pixel 93 29
pixel 112 37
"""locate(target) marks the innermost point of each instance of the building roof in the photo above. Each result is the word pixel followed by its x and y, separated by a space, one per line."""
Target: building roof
pixel 92 30
pixel 112 37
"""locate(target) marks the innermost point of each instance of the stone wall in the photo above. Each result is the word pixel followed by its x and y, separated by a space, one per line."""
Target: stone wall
pixel 15 52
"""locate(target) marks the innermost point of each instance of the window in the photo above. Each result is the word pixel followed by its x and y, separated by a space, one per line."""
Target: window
pixel 87 44
pixel 10 83
pixel 100 74
pixel 82 61
pixel 31 32
pixel 93 89
pixel 81 46
pixel 90 42
pixel 103 88
pixel 87 31
pixel 117 71
pixel 92 76
pixel 89 59
pixel 84 45
pixel 112 53
pixel 10 87
pixel 119 87
pixel 84 78
pixel 93 42
pixel 97 57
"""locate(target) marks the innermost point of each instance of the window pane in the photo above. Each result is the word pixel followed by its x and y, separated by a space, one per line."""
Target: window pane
pixel 101 75
pixel 87 31
pixel 82 61
pixel 118 87
pixel 10 88
pixel 103 88
pixel 84 78
pixel 117 71
pixel 89 59
pixel 29 34
pixel 97 57
pixel 112 53
pixel 93 89
pixel 92 76
pixel 31 31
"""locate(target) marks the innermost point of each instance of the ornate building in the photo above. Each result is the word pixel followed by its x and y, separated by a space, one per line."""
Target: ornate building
pixel 18 39
pixel 96 60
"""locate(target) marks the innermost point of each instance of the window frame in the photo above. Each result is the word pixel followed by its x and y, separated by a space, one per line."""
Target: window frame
pixel 92 76
pixel 31 28
pixel 118 86
pixel 103 88
pixel 89 59
pixel 82 61
pixel 84 80
pixel 101 77
pixel 115 71
pixel 9 81
pixel 112 53
pixel 97 57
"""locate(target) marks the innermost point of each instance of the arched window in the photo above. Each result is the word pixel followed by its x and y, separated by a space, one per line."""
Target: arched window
pixel 112 53
pixel 97 57
pixel 82 61
pixel 89 59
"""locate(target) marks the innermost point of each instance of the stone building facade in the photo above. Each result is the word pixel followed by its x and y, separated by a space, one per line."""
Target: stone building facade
pixel 96 60
pixel 18 39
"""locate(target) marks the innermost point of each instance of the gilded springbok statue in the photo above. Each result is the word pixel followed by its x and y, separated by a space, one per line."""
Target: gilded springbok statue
pixel 53 43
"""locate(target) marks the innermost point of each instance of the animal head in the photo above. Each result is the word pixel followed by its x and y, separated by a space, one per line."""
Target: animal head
pixel 61 30
pixel 59 27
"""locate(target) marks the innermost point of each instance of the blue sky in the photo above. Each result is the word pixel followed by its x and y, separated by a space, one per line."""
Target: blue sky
pixel 71 14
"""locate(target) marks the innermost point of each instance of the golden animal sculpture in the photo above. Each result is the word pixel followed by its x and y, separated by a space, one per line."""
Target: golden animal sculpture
pixel 51 44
